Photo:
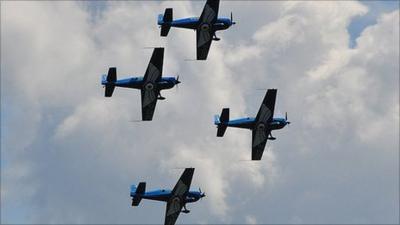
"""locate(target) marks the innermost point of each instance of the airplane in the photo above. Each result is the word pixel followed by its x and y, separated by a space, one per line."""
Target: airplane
pixel 150 85
pixel 261 126
pixel 175 199
pixel 205 26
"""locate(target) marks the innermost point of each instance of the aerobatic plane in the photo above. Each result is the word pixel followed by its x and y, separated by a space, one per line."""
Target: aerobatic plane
pixel 261 126
pixel 205 26
pixel 176 199
pixel 150 85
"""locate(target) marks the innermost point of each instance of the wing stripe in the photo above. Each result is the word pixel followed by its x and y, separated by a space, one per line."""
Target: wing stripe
pixel 259 137
pixel 204 37
pixel 149 97
pixel 209 14
pixel 153 74
pixel 265 113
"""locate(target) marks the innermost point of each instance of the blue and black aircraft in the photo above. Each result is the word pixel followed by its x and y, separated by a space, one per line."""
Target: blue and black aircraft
pixel 261 126
pixel 176 199
pixel 150 85
pixel 205 26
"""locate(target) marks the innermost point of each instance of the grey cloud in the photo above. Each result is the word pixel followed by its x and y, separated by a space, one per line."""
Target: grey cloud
pixel 74 154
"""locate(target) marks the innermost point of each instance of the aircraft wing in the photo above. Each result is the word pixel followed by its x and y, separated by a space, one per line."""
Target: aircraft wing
pixel 266 111
pixel 261 130
pixel 179 193
pixel 205 32
pixel 259 141
pixel 149 101
pixel 210 11
pixel 149 91
pixel 203 39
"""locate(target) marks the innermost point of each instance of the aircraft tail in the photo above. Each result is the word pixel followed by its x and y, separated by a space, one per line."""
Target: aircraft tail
pixel 164 21
pixel 109 81
pixel 221 122
pixel 137 192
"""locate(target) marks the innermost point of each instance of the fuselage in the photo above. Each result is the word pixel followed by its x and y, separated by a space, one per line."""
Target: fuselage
pixel 138 82
pixel 164 195
pixel 250 122
pixel 194 23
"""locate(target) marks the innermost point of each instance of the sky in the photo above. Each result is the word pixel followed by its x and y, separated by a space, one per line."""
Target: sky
pixel 69 155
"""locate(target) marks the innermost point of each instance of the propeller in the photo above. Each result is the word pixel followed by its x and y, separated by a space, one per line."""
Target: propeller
pixel 232 19
pixel 177 82
pixel 202 194
pixel 286 118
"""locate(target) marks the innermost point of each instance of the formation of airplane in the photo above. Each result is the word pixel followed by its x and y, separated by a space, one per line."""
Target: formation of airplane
pixel 261 126
pixel 176 198
pixel 205 26
pixel 150 85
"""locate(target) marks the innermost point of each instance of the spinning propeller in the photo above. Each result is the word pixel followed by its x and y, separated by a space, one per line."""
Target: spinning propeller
pixel 232 19
pixel 202 194
pixel 177 82
pixel 286 118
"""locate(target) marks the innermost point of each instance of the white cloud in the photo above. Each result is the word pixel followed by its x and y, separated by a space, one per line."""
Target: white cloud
pixel 76 147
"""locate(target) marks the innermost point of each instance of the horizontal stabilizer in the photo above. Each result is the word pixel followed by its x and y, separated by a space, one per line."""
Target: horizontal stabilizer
pixel 224 115
pixel 110 80
pixel 138 192
pixel 136 200
pixel 141 188
pixel 166 20
pixel 165 30
pixel 112 75
pixel 221 130
pixel 109 90
pixel 223 120
pixel 168 15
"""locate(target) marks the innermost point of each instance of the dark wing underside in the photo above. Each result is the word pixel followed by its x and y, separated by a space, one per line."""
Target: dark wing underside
pixel 207 15
pixel 155 67
pixel 261 131
pixel 260 138
pixel 150 79
pixel 204 36
pixel 149 101
pixel 179 193
pixel 204 39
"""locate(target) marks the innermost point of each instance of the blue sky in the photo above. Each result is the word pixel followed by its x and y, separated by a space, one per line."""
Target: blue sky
pixel 375 8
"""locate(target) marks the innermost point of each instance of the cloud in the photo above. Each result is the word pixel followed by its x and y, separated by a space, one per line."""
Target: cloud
pixel 251 220
pixel 73 153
